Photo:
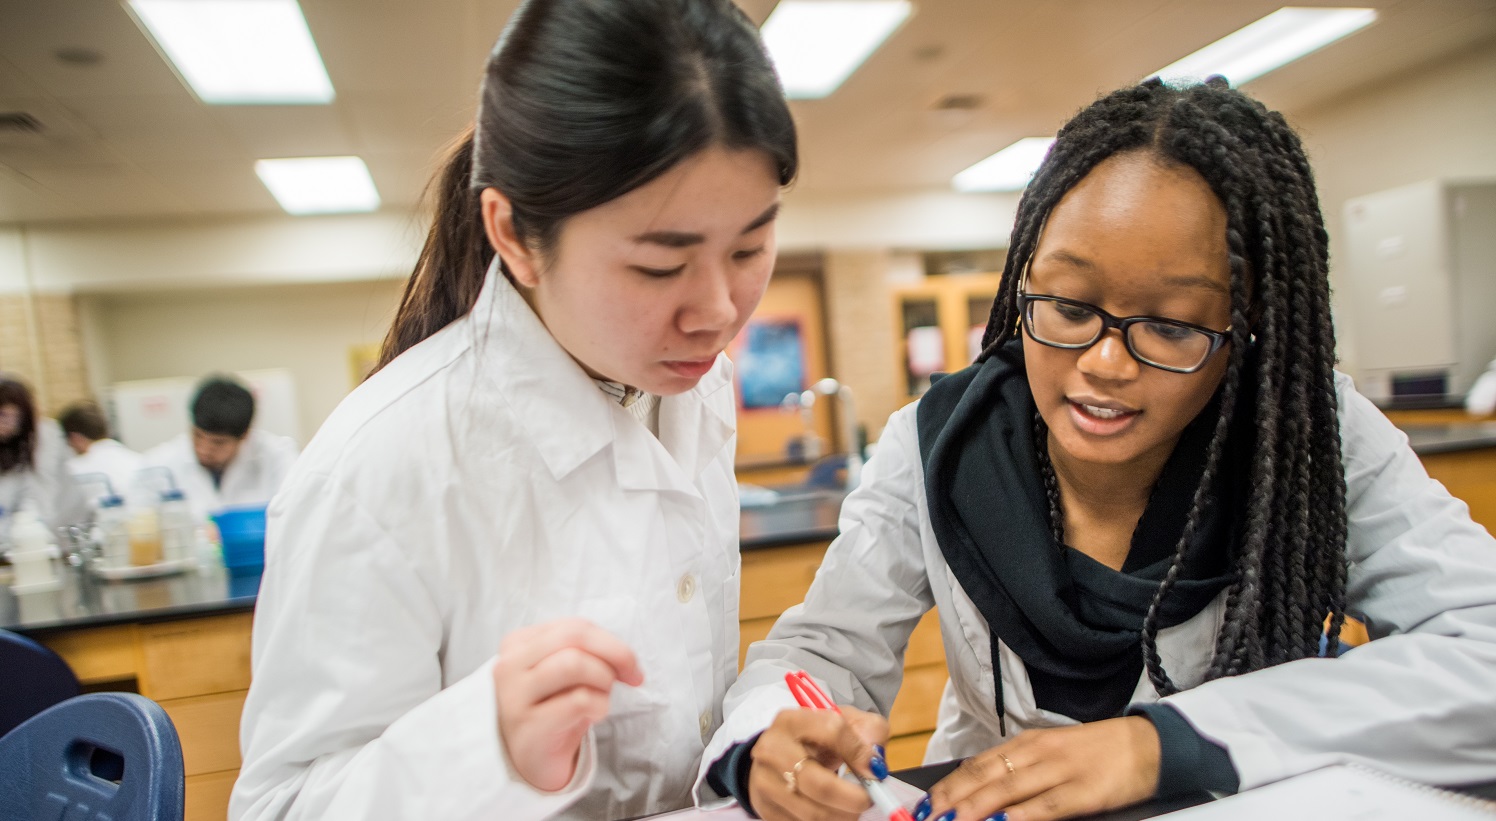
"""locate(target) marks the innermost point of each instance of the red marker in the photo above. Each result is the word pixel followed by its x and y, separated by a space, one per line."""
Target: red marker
pixel 812 697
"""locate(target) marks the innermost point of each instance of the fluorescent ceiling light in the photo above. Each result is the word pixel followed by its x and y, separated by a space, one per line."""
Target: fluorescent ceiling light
pixel 239 51
pixel 1274 41
pixel 817 44
pixel 319 185
pixel 1008 170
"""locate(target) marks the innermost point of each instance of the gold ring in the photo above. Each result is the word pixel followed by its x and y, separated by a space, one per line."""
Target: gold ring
pixel 791 777
pixel 1011 769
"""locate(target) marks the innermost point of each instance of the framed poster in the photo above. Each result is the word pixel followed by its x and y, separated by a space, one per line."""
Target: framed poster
pixel 770 361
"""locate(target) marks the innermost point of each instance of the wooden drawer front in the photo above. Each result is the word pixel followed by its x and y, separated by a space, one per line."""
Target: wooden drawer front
pixel 751 631
pixel 907 751
pixel 917 705
pixel 195 657
pixel 208 796
pixel 775 579
pixel 1469 476
pixel 209 729
pixel 925 645
pixel 98 654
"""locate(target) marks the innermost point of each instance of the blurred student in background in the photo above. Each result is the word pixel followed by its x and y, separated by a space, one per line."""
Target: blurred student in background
pixel 222 462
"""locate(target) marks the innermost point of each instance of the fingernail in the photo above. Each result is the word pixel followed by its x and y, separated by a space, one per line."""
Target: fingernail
pixel 998 816
pixel 950 815
pixel 922 811
pixel 879 767
pixel 882 753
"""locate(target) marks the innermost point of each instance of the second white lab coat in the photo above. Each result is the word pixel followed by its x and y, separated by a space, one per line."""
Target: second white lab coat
pixel 112 459
pixel 479 483
pixel 1418 701
pixel 252 478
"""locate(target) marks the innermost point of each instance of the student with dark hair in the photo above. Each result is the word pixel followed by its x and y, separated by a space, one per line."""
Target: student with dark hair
pixel 1140 511
pixel 224 461
pixel 502 581
pixel 95 452
pixel 33 461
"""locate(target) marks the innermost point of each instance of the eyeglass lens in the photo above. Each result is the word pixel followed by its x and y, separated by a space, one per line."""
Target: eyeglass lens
pixel 1160 343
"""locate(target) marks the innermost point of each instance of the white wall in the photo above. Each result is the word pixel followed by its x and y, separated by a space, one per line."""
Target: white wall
pixel 306 328
pixel 1437 122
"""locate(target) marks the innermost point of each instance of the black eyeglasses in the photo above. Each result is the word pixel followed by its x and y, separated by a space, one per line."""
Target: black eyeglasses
pixel 1166 344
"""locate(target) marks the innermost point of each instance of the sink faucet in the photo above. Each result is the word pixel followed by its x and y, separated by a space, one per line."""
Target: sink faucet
pixel 806 399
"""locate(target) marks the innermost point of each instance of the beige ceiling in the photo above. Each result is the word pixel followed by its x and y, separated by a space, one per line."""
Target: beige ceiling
pixel 122 138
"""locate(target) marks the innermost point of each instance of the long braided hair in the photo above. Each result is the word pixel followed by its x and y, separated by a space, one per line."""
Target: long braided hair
pixel 1289 564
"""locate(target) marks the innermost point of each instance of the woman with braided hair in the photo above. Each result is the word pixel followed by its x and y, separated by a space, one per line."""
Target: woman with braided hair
pixel 1140 512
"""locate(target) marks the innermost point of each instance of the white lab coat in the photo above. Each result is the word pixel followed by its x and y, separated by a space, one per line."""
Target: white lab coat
pixel 252 478
pixel 113 460
pixel 46 484
pixel 1419 700
pixel 479 483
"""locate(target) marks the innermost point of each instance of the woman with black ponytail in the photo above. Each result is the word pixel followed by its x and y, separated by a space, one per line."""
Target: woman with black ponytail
pixel 501 582
pixel 1142 510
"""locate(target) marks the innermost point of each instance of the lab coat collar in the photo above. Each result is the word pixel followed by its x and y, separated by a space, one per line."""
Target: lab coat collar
pixel 570 420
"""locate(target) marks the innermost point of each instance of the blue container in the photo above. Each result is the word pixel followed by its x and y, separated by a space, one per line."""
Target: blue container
pixel 243 532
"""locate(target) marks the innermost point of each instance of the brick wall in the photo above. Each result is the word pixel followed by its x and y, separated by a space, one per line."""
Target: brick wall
pixel 40 341
pixel 859 305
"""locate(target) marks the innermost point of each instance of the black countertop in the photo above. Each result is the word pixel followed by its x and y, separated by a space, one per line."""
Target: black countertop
pixel 85 601
pixel 1451 438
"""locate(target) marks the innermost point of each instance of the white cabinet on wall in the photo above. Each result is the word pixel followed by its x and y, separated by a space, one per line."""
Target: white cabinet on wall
pixel 1420 268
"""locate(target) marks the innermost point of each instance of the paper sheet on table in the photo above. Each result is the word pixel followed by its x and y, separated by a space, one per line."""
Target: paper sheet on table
pixel 1340 793
pixel 903 793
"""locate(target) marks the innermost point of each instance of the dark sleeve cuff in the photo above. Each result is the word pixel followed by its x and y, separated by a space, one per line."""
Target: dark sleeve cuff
pixel 1188 761
pixel 728 775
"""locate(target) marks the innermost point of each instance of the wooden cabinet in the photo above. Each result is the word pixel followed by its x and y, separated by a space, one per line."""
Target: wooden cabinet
pixel 941 317
pixel 777 578
pixel 197 669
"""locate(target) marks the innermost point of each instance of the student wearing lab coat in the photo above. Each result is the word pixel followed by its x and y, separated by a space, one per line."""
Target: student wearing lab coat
pixel 224 461
pixel 95 452
pixel 33 462
pixel 502 581
pixel 1136 511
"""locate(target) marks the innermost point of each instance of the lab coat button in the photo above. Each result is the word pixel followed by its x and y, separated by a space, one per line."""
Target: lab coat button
pixel 706 724
pixel 686 589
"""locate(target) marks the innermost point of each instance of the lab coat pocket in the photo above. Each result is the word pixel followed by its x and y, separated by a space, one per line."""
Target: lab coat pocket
pixel 619 616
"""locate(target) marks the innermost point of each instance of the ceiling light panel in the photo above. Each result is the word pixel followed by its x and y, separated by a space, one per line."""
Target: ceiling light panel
pixel 817 44
pixel 238 52
pixel 1008 170
pixel 1270 43
pixel 319 185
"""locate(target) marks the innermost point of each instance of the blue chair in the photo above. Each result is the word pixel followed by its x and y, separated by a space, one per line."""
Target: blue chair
pixel 99 756
pixel 32 678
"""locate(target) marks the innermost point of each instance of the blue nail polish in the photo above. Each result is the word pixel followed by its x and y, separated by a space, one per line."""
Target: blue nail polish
pixel 998 816
pixel 922 811
pixel 950 815
pixel 882 753
pixel 879 767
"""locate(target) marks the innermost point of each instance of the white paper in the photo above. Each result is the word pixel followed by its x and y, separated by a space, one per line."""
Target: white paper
pixel 905 794
pixel 1341 793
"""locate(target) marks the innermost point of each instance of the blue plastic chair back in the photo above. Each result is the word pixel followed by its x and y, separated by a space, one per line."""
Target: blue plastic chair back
pixel 97 757
pixel 32 678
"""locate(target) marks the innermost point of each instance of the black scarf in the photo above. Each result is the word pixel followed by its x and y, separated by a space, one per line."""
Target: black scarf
pixel 1076 623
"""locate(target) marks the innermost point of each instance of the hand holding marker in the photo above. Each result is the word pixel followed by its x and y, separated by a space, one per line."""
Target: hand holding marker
pixel 812 697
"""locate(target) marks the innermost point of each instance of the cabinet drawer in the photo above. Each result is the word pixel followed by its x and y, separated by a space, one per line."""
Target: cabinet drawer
pixel 925 644
pixel 195 657
pixel 98 654
pixel 907 751
pixel 209 729
pixel 775 579
pixel 208 796
pixel 750 631
pixel 917 705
